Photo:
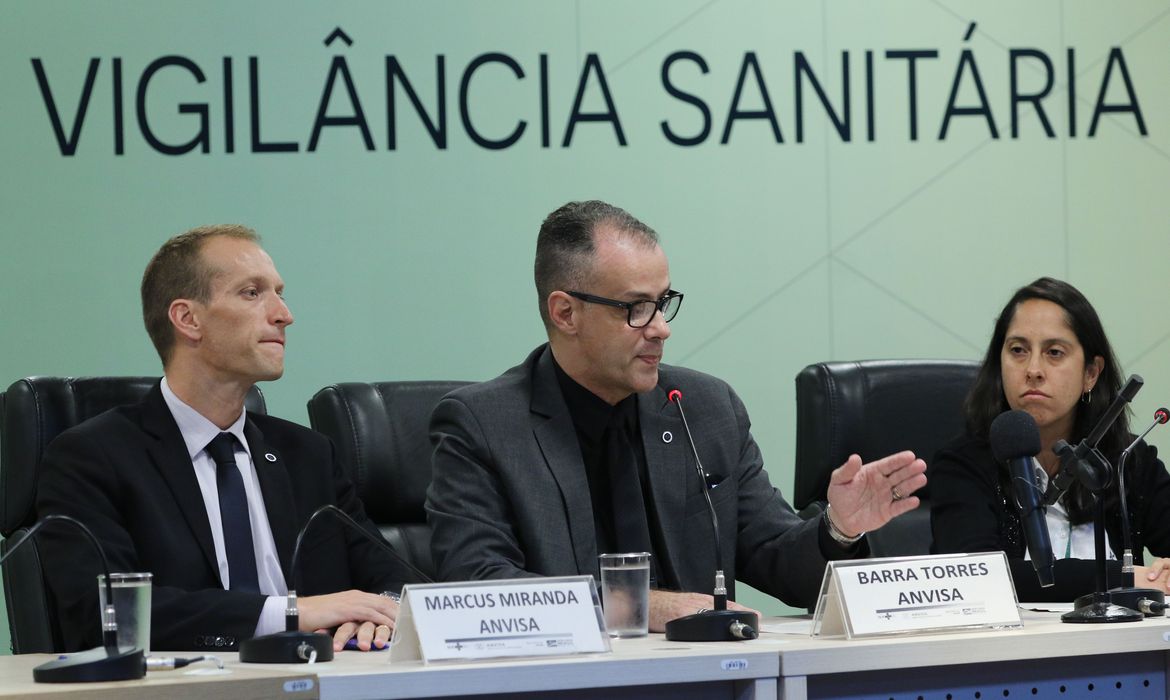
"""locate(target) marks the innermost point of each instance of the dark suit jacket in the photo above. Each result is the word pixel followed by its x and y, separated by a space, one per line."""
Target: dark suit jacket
pixel 510 498
pixel 972 510
pixel 126 474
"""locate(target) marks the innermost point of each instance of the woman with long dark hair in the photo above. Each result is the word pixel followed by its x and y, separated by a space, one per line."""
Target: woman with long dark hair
pixel 1049 356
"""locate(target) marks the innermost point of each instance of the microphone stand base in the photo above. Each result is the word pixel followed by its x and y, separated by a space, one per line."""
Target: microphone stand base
pixel 1128 597
pixel 286 648
pixel 1100 609
pixel 93 665
pixel 712 626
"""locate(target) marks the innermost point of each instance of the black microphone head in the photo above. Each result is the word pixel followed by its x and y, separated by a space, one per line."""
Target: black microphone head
pixel 1014 434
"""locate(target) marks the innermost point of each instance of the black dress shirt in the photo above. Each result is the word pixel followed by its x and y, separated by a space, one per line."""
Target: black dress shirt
pixel 610 483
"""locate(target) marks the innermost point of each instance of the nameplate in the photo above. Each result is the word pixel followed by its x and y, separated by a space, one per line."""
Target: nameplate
pixel 906 595
pixel 491 619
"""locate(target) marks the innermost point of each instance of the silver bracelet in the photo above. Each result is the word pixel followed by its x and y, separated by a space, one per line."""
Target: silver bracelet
pixel 838 536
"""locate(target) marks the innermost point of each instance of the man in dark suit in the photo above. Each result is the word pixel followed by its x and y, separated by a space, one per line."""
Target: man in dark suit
pixel 579 450
pixel 208 497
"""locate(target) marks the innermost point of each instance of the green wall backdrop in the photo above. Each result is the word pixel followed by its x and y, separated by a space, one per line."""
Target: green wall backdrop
pixel 832 180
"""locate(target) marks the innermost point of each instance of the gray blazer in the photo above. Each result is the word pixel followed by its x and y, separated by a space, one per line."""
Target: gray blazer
pixel 509 496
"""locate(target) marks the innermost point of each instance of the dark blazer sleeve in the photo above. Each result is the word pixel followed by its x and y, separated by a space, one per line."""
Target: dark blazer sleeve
pixel 80 478
pixel 965 513
pixel 473 528
pixel 776 551
pixel 1148 486
pixel 969 513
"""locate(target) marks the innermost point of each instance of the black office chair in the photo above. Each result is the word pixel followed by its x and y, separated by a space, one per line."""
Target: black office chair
pixel 874 408
pixel 33 411
pixel 382 436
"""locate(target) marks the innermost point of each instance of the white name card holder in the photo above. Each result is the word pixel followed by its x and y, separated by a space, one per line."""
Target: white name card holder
pixel 466 621
pixel 916 595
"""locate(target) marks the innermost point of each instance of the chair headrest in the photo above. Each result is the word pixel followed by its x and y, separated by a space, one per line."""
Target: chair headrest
pixel 874 408
pixel 381 431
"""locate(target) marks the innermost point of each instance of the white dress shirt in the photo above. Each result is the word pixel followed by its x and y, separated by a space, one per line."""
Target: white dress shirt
pixel 197 432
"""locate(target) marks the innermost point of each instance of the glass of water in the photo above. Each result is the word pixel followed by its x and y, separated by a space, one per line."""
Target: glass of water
pixel 131 608
pixel 625 593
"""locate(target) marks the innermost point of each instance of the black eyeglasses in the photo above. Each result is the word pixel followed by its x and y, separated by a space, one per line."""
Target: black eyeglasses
pixel 640 313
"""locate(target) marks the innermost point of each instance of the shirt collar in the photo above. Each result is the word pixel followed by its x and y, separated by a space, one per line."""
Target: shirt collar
pixel 590 413
pixel 197 431
pixel 1042 486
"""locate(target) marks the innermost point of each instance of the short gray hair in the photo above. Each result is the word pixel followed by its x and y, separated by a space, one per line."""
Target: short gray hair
pixel 565 245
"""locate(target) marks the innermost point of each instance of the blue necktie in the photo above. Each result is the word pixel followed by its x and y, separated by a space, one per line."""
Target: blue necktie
pixel 233 513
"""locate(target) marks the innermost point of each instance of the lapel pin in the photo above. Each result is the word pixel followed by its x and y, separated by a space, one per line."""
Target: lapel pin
pixel 667 437
pixel 269 456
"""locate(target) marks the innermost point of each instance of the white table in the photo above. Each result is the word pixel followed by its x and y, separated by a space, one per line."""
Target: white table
pixel 198 682
pixel 1046 655
pixel 636 668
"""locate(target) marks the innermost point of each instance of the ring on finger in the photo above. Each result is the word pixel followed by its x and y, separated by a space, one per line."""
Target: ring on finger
pixel 897 495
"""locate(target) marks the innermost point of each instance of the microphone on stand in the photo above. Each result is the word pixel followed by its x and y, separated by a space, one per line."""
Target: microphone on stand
pixel 104 663
pixel 1084 462
pixel 1015 439
pixel 720 624
pixel 293 646
pixel 1146 600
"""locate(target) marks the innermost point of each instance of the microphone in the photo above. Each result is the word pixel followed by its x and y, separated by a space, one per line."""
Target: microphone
pixel 1084 461
pixel 1086 464
pixel 104 663
pixel 1016 440
pixel 1149 595
pixel 293 646
pixel 720 624
pixel 1130 390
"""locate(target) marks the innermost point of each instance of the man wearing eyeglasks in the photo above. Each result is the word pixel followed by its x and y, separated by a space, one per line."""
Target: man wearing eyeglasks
pixel 579 451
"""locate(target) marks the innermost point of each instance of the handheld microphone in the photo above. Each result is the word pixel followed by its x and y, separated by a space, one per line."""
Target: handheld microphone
pixel 720 624
pixel 293 646
pixel 1161 416
pixel 104 663
pixel 1084 462
pixel 1016 440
